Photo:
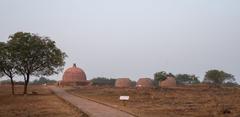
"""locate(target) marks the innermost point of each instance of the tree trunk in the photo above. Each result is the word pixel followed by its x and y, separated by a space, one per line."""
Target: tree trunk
pixel 12 82
pixel 26 84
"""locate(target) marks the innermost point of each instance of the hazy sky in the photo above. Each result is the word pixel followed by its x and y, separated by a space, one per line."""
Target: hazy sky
pixel 133 38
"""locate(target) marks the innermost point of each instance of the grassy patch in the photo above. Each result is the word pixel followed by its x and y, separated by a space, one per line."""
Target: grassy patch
pixel 42 104
pixel 188 101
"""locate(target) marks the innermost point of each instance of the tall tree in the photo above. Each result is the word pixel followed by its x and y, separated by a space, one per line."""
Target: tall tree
pixel 187 79
pixel 218 77
pixel 7 66
pixel 35 55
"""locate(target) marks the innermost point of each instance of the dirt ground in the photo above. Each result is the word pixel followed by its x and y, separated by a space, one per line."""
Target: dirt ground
pixel 185 101
pixel 43 104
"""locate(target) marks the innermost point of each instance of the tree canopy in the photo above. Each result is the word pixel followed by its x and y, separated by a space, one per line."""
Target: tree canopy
pixel 34 55
pixel 186 79
pixel 218 77
pixel 7 65
pixel 160 76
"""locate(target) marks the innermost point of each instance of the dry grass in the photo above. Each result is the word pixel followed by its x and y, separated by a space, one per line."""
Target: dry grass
pixel 44 104
pixel 188 101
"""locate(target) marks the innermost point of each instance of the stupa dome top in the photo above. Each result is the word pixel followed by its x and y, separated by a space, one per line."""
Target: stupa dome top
pixel 74 74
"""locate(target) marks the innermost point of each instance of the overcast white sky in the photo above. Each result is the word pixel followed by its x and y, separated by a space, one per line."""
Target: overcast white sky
pixel 133 38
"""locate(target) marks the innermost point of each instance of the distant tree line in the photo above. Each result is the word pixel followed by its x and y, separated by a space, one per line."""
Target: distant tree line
pixel 212 77
pixel 43 80
pixel 8 81
pixel 40 81
pixel 180 78
pixel 103 81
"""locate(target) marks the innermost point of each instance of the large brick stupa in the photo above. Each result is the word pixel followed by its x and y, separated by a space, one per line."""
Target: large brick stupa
pixel 74 76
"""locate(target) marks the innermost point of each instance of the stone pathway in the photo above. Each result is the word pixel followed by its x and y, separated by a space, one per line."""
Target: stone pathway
pixel 91 108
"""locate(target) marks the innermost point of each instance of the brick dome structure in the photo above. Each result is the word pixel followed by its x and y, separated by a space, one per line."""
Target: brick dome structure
pixel 74 74
pixel 168 82
pixel 123 83
pixel 145 83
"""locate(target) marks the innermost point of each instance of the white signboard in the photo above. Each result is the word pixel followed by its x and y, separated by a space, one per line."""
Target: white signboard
pixel 124 98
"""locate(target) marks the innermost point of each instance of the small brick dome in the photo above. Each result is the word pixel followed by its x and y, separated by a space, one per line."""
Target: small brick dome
pixel 74 74
pixel 168 82
pixel 145 82
pixel 123 83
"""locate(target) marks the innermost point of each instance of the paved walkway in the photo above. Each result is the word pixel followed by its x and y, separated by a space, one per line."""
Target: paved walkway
pixel 91 108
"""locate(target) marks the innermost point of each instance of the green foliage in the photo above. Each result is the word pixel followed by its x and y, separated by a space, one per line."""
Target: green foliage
pixel 102 81
pixel 34 55
pixel 7 66
pixel 43 80
pixel 160 76
pixel 218 77
pixel 187 79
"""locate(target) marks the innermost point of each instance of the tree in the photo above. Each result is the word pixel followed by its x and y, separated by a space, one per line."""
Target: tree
pixel 160 76
pixel 186 79
pixel 7 66
pixel 35 55
pixel 101 81
pixel 218 77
